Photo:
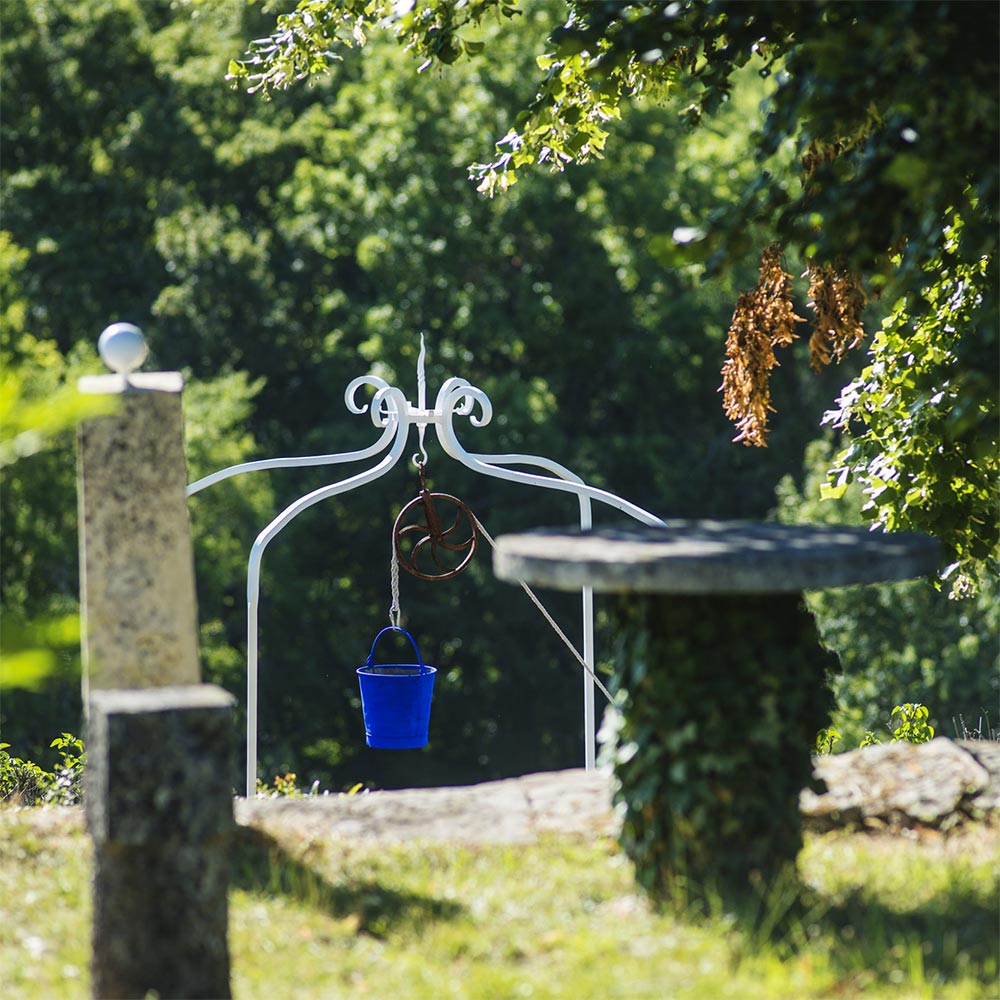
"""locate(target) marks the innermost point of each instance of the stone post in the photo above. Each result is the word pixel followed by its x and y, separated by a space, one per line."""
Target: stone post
pixel 158 788
pixel 159 808
pixel 136 562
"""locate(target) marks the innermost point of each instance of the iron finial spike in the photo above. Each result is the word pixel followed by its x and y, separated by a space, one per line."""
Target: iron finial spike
pixel 421 399
pixel 421 376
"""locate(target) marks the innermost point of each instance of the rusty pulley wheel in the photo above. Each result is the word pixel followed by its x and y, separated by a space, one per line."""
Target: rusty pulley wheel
pixel 435 535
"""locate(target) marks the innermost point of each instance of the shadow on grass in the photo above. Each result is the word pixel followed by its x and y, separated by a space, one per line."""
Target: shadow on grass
pixel 261 865
pixel 954 934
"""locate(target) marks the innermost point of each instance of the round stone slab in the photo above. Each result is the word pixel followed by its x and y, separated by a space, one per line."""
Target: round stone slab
pixel 712 557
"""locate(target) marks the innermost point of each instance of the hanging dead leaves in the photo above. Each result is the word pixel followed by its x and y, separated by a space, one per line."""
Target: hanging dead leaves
pixel 765 318
pixel 837 300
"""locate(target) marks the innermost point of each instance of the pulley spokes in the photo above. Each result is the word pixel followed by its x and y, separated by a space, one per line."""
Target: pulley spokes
pixel 434 537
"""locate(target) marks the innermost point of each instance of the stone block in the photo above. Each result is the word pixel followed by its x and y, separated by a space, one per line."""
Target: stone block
pixel 936 784
pixel 159 765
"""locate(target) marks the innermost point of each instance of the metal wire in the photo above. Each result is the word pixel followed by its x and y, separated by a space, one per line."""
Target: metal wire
pixel 555 627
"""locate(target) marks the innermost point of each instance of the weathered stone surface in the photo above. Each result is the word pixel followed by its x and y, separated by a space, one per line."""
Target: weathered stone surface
pixel 986 753
pixel 159 764
pixel 577 800
pixel 712 557
pixel 574 802
pixel 160 920
pixel 136 562
pixel 159 808
pixel 512 811
pixel 937 784
pixel 882 787
pixel 119 383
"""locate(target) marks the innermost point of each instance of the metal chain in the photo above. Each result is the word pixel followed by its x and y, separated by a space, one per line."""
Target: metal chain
pixel 555 627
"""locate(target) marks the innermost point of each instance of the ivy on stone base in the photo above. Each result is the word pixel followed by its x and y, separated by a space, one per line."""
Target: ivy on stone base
pixel 718 702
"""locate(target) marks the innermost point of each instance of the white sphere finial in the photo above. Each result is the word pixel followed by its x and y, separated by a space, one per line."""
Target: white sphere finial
pixel 122 348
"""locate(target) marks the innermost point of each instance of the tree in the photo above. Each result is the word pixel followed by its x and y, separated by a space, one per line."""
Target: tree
pixel 81 184
pixel 39 405
pixel 881 137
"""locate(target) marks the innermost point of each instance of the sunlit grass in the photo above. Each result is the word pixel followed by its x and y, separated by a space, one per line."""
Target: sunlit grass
pixel 879 917
pixel 44 904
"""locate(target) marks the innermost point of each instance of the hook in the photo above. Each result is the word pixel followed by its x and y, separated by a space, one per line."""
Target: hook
pixel 419 459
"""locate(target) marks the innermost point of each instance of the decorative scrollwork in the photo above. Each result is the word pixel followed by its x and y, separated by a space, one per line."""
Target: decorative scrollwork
pixel 388 404
pixel 351 391
pixel 442 540
pixel 458 397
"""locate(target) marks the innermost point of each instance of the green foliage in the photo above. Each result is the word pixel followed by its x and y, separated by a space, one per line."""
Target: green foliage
pixel 39 407
pixel 826 739
pixel 286 786
pixel 225 518
pixel 900 642
pixel 30 421
pixel 861 81
pixel 273 251
pixel 718 703
pixel 37 505
pixel 304 42
pixel 25 783
pixel 39 403
pixel 30 650
pixel 40 638
pixel 910 724
pixel 924 418
pixel 907 723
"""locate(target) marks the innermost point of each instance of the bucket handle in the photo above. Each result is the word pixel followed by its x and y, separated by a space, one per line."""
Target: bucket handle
pixel 395 628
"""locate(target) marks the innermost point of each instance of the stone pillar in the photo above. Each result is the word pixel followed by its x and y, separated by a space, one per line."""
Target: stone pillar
pixel 158 788
pixel 159 808
pixel 136 562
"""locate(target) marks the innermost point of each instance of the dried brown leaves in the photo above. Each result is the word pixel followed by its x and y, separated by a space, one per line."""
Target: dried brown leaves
pixel 765 318
pixel 838 301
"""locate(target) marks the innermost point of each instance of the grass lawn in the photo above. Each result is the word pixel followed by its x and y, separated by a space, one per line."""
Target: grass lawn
pixel 883 917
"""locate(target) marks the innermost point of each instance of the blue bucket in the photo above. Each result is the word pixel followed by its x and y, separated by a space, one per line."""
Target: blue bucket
pixel 396 699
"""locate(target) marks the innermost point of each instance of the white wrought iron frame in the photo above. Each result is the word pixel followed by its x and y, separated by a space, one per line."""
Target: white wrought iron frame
pixel 391 411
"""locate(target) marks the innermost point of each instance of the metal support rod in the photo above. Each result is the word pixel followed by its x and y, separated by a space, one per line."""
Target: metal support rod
pixel 589 720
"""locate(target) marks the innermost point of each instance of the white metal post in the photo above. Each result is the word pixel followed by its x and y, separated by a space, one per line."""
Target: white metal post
pixel 589 720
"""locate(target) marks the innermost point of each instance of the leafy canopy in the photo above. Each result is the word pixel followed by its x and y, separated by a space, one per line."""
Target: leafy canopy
pixel 882 128
pixel 887 107
pixel 923 413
